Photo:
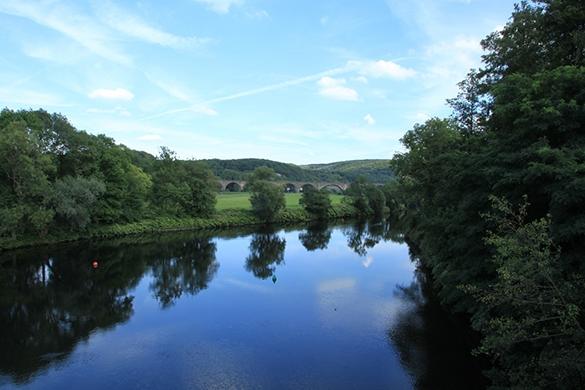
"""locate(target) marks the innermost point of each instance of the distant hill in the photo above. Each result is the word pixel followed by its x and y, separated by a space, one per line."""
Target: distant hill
pixel 377 171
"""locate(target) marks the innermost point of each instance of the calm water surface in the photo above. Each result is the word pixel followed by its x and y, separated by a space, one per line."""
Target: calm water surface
pixel 315 307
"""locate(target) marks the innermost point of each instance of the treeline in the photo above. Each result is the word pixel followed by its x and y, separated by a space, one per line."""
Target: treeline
pixel 243 168
pixel 375 171
pixel 492 200
pixel 56 178
pixel 57 181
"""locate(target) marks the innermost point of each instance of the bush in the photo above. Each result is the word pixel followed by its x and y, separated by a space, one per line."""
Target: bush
pixel 367 198
pixel 267 200
pixel 316 203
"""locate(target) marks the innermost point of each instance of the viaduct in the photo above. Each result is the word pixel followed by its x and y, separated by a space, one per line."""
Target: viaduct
pixel 288 186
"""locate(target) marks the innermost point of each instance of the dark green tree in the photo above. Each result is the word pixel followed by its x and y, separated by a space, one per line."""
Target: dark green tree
pixel 316 203
pixel 376 200
pixel 517 130
pixel 25 189
pixel 358 197
pixel 530 303
pixel 267 199
pixel 75 200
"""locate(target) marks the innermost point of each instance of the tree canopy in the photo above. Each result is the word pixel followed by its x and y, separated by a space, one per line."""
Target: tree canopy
pixel 56 178
pixel 517 134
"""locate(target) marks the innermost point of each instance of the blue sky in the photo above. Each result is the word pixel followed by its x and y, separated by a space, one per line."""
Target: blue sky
pixel 302 81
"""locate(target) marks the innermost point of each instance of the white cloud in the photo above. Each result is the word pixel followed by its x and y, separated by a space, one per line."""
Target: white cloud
pixel 111 94
pixel 150 137
pixel 220 6
pixel 382 69
pixel 258 14
pixel 361 79
pixel 324 20
pixel 335 89
pixel 369 119
pixel 135 27
pixel 69 22
pixel 447 63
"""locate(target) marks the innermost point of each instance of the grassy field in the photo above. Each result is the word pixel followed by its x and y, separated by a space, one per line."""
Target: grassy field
pixel 240 200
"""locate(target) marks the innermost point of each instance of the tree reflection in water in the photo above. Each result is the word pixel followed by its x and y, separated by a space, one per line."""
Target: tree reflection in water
pixel 316 236
pixel 363 236
pixel 266 252
pixel 424 335
pixel 47 307
pixel 185 269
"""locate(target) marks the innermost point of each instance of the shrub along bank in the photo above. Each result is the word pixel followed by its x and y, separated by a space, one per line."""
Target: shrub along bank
pixel 221 219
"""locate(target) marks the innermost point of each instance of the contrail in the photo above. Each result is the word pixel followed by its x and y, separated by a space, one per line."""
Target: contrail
pixel 257 91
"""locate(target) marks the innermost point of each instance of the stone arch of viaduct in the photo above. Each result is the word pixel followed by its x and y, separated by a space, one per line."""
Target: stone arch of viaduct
pixel 288 186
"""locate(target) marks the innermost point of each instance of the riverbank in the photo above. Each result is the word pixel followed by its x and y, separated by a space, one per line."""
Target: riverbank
pixel 222 219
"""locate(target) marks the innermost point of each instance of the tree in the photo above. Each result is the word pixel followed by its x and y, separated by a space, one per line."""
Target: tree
pixel 358 196
pixel 75 199
pixel 25 190
pixel 183 187
pixel 316 203
pixel 169 191
pixel 262 173
pixel 376 200
pixel 469 107
pixel 202 185
pixel 530 303
pixel 530 140
pixel 366 198
pixel 267 199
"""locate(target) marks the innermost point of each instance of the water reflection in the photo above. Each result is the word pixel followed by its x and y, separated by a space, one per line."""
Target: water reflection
pixel 316 236
pixel 183 269
pixel 423 333
pixel 47 307
pixel 51 299
pixel 362 236
pixel 266 252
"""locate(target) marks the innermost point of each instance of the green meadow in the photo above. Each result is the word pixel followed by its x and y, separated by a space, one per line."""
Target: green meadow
pixel 241 200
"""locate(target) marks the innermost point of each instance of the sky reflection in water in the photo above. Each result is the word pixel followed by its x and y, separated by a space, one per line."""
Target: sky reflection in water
pixel 321 306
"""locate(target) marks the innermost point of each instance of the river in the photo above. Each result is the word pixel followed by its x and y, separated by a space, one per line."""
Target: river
pixel 339 306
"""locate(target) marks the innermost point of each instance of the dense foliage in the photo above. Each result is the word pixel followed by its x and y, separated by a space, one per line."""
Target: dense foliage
pixel 517 133
pixel 316 202
pixel 367 198
pixel 54 178
pixel 375 171
pixel 267 198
